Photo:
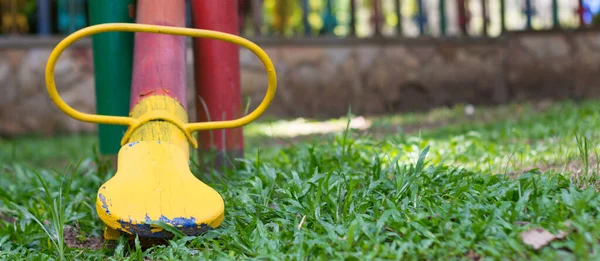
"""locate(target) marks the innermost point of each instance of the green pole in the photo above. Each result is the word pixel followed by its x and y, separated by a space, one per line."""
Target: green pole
pixel 399 15
pixel 555 21
pixel 442 9
pixel 113 58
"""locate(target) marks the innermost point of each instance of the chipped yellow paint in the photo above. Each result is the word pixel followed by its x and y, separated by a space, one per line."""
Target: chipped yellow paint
pixel 159 130
pixel 156 229
pixel 111 234
pixel 153 181
pixel 153 178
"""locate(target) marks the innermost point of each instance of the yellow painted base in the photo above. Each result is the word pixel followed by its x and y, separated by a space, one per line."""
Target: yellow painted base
pixel 111 234
pixel 154 183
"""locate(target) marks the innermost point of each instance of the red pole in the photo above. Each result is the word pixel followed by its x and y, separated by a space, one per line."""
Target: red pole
pixel 159 59
pixel 581 13
pixel 217 77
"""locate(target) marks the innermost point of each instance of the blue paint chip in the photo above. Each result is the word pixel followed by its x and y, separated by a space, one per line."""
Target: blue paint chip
pixel 181 221
pixel 104 205
pixel 133 143
pixel 187 226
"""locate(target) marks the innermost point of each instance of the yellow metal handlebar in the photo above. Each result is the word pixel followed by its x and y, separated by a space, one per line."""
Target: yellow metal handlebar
pixel 132 27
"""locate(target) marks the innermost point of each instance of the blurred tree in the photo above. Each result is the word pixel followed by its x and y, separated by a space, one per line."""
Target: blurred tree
pixel 14 15
pixel 285 16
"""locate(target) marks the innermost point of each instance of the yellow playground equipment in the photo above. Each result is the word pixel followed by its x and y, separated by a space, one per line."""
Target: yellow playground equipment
pixel 153 182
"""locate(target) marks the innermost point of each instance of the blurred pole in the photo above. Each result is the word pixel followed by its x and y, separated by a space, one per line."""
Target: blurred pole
pixel 376 16
pixel 555 20
pixel 217 77
pixel 502 16
pixel 329 21
pixel 421 17
pixel 305 11
pixel 242 12
pixel 352 18
pixel 528 13
pixel 443 26
pixel 44 17
pixel 485 17
pixel 71 15
pixel 581 13
pixel 399 15
pixel 281 16
pixel 113 58
pixel 462 16
pixel 257 16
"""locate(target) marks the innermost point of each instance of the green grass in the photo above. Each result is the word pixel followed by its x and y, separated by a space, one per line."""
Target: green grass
pixel 463 187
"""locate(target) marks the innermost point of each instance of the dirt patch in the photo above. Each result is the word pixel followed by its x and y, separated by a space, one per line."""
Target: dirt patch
pixel 73 239
pixel 473 256
pixel 580 175
pixel 7 219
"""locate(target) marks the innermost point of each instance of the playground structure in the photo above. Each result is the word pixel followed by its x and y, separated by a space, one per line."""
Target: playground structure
pixel 264 17
pixel 153 182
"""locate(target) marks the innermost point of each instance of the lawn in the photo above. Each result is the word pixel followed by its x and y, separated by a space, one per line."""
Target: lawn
pixel 516 182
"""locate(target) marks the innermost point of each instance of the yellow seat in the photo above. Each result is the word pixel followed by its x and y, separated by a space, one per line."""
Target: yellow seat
pixel 154 183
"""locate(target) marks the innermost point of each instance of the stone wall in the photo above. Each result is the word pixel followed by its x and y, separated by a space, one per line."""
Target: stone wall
pixel 320 78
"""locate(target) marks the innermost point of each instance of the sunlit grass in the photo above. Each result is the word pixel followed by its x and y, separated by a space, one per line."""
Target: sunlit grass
pixel 427 186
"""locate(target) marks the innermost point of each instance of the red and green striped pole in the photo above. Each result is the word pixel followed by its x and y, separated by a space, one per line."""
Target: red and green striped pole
pixel 217 77
pixel 112 53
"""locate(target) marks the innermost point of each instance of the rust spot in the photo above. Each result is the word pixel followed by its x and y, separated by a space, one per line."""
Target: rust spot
pixel 165 90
